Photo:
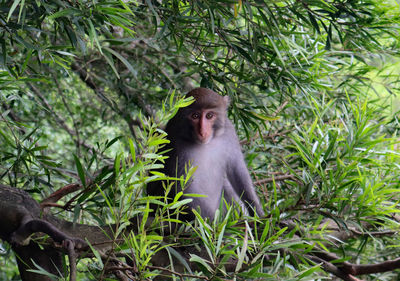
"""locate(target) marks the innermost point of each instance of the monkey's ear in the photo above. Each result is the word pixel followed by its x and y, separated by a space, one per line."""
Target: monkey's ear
pixel 227 101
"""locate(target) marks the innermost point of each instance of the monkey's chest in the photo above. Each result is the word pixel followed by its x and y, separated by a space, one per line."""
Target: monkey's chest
pixel 208 179
pixel 209 174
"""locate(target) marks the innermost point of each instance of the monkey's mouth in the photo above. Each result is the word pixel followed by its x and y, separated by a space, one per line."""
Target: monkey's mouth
pixel 203 140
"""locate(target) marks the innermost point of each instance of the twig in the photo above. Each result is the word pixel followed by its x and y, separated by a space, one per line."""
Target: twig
pixel 374 233
pixel 70 247
pixel 269 136
pixel 277 178
pixel 279 109
pixel 329 267
pixel 57 195
pixel 180 275
pixel 99 92
pixel 57 117
pixel 360 269
pixel 60 92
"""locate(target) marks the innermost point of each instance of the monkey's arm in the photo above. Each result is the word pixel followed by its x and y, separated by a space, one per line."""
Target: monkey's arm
pixel 239 178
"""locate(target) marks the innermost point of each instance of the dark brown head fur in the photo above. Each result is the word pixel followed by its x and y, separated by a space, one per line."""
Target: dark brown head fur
pixel 206 98
pixel 181 127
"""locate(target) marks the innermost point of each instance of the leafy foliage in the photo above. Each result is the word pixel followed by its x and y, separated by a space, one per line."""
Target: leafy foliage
pixel 88 85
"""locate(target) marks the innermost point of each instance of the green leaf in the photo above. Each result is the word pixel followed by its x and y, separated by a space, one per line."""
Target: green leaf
pixel 93 36
pixel 158 141
pixel 264 117
pixel 117 164
pixel 64 13
pixel 179 203
pixel 197 259
pixel 132 150
pixel 243 53
pixel 194 195
pixel 96 254
pixel 80 170
pixel 314 22
pixel 309 271
pixel 12 9
pixel 243 251
pixel 123 60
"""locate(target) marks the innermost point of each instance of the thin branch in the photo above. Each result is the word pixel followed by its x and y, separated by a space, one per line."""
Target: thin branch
pixel 61 93
pixel 70 247
pixel 57 117
pixel 58 194
pixel 329 267
pixel 169 271
pixel 277 178
pixel 269 136
pixel 359 269
pixel 87 78
pixel 280 108
pixel 165 74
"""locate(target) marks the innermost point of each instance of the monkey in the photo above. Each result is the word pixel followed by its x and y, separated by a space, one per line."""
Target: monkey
pixel 201 135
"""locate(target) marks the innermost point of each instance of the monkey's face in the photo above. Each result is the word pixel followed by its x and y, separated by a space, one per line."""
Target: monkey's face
pixel 204 123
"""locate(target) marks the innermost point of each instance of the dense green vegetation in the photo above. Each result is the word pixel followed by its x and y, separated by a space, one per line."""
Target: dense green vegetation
pixel 313 88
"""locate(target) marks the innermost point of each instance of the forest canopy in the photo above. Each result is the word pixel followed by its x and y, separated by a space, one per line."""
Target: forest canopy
pixel 86 88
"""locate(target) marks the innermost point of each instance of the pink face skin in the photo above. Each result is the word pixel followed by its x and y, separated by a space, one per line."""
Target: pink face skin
pixel 203 122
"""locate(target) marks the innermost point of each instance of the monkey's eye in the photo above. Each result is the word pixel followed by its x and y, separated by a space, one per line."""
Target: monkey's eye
pixel 209 115
pixel 195 115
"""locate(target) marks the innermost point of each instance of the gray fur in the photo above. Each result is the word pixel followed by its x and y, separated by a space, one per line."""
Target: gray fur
pixel 220 165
